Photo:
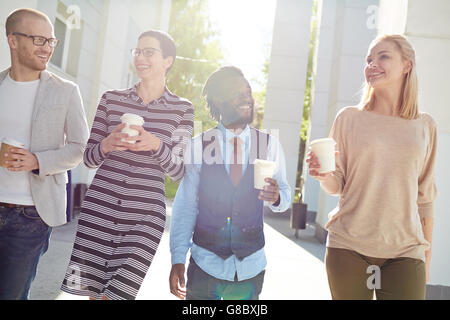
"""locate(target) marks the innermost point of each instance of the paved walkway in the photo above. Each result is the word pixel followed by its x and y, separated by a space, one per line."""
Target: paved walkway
pixel 295 269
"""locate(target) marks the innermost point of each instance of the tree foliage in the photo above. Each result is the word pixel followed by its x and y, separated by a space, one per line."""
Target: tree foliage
pixel 199 53
pixel 260 96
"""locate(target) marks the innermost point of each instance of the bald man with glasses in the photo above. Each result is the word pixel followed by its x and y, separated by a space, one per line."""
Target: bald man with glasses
pixel 45 114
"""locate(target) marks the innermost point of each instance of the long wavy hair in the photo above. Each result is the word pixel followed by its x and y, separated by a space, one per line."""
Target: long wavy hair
pixel 409 98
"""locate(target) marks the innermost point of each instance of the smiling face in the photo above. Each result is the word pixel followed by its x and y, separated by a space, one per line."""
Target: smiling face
pixel 154 67
pixel 27 55
pixel 385 66
pixel 238 106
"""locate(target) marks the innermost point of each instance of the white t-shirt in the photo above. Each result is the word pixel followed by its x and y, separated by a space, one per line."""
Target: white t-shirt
pixel 16 109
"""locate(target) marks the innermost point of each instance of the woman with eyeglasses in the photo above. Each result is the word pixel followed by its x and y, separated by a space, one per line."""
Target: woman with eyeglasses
pixel 379 235
pixel 123 215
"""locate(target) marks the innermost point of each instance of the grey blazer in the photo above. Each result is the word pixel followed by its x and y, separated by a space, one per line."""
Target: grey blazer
pixel 59 134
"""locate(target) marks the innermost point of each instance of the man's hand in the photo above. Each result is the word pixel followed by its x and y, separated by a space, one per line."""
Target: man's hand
pixel 114 142
pixel 145 141
pixel 176 281
pixel 23 160
pixel 271 192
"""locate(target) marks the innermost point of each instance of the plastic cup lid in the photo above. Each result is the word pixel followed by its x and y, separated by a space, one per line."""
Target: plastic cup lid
pixel 264 162
pixel 324 140
pixel 133 117
pixel 13 143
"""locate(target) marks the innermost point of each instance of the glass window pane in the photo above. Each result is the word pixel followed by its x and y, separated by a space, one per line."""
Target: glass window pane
pixel 60 33
pixel 76 40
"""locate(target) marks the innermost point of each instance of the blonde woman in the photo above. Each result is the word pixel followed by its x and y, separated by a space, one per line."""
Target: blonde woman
pixel 379 235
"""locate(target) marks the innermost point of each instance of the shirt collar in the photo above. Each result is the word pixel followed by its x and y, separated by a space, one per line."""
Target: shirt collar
pixel 133 94
pixel 45 75
pixel 228 134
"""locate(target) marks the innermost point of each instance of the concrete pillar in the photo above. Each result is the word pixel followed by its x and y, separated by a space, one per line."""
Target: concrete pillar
pixel 166 6
pixel 426 25
pixel 287 77
pixel 344 37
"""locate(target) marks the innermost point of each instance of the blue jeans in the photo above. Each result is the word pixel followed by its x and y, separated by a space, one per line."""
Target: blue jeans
pixel 202 286
pixel 24 238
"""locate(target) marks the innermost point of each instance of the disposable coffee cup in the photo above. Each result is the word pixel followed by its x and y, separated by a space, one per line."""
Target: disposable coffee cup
pixel 263 169
pixel 7 145
pixel 324 149
pixel 131 120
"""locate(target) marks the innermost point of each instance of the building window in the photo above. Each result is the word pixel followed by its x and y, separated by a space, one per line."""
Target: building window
pixel 132 78
pixel 67 54
pixel 60 33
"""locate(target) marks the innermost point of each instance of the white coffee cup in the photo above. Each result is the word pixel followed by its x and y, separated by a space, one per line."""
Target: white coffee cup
pixel 7 145
pixel 263 169
pixel 324 149
pixel 131 120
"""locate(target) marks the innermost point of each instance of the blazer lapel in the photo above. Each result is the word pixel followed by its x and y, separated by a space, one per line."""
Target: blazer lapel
pixel 3 74
pixel 42 94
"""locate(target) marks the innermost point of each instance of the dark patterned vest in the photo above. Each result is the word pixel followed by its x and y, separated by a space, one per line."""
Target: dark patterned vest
pixel 230 219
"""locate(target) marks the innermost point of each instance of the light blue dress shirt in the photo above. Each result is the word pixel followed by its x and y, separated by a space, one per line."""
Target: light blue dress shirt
pixel 185 209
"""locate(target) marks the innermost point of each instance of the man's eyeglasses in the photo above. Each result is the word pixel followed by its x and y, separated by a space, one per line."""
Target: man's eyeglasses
pixel 147 52
pixel 38 40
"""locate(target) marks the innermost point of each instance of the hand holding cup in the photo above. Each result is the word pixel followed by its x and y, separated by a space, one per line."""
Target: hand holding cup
pixel 14 157
pixel 321 158
pixel 115 141
pixel 130 120
pixel 270 192
pixel 144 141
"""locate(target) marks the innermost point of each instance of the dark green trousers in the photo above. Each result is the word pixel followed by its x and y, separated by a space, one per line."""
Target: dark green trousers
pixel 353 276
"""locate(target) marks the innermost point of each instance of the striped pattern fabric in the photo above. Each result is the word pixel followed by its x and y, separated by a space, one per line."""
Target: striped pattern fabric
pixel 123 215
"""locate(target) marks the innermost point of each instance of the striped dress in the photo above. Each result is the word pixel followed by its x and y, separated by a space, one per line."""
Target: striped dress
pixel 123 215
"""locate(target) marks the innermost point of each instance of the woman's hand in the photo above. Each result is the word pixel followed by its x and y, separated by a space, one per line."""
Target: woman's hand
pixel 327 180
pixel 145 141
pixel 114 142
pixel 314 167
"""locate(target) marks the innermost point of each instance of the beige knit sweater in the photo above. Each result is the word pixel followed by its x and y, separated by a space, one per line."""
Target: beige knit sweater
pixel 385 169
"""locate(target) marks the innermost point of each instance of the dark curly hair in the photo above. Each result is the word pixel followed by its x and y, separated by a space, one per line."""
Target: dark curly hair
pixel 216 87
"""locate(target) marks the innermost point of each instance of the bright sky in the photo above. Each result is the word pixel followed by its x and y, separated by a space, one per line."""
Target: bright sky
pixel 246 28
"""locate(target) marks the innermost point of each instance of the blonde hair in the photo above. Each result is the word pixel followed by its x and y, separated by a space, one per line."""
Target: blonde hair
pixel 409 103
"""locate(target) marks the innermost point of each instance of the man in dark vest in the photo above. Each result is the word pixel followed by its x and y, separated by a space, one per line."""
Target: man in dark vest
pixel 217 213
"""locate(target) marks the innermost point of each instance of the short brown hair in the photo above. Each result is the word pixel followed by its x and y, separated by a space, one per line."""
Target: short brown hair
pixel 17 16
pixel 166 42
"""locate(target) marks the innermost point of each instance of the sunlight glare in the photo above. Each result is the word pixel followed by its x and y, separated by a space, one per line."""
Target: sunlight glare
pixel 246 29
